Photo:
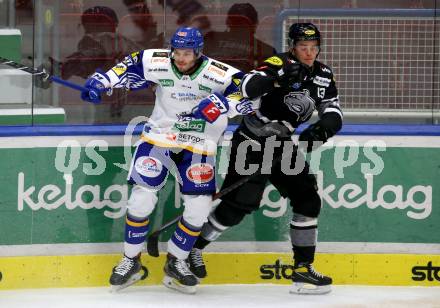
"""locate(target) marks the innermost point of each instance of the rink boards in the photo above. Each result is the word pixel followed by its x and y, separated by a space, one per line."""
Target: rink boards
pixel 378 225
pixel 224 268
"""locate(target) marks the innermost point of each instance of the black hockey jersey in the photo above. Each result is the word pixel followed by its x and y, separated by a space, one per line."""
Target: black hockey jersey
pixel 318 85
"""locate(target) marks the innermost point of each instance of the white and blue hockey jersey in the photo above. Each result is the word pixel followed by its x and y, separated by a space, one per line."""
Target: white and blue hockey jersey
pixel 170 124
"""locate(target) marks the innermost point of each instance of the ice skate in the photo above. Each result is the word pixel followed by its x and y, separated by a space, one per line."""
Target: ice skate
pixel 126 273
pixel 178 276
pixel 308 281
pixel 196 264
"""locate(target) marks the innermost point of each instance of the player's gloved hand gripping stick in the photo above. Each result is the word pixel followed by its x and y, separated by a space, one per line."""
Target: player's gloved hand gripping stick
pixel 92 93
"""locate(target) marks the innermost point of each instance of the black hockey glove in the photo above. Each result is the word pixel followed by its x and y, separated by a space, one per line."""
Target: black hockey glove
pixel 313 137
pixel 291 73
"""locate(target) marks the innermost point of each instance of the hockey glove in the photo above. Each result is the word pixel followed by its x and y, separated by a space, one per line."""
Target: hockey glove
pixel 313 136
pixel 211 107
pixel 96 84
pixel 292 73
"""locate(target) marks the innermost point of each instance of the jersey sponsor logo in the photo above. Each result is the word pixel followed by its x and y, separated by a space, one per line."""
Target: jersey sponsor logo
pixel 132 234
pixel 205 88
pixel 161 54
pixel 187 138
pixel 213 79
pixel 200 173
pixel 216 70
pixel 160 60
pixel 220 66
pixel 157 69
pixel 274 61
pixel 321 81
pixel 192 125
pixel 166 82
pixel 276 271
pixel 148 166
pixel 119 69
pixel 325 69
pixel 428 272
pixel 186 97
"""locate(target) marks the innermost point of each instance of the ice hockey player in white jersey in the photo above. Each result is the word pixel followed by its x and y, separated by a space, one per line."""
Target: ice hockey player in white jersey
pixel 195 95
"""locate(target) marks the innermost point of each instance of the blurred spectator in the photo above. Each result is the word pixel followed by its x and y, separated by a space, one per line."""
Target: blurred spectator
pixel 185 9
pixel 189 13
pixel 349 4
pixel 238 45
pixel 99 45
pixel 140 26
pixel 416 4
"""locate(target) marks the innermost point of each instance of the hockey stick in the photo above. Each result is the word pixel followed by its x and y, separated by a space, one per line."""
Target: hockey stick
pixel 153 239
pixel 47 77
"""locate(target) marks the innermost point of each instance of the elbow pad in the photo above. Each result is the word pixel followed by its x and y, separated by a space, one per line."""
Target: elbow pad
pixel 256 85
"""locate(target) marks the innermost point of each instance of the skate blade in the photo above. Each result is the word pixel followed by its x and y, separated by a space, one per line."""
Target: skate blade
pixel 135 278
pixel 172 283
pixel 306 288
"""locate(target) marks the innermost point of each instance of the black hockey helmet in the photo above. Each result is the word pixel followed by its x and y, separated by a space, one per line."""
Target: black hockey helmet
pixel 303 32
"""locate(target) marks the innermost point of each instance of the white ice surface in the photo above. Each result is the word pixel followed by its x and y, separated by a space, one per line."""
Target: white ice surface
pixel 218 296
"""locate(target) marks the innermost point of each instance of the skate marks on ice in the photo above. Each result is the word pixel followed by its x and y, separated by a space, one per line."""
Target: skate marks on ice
pixel 220 296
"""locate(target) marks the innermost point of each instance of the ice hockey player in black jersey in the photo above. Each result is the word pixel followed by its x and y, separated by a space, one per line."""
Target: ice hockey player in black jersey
pixel 291 86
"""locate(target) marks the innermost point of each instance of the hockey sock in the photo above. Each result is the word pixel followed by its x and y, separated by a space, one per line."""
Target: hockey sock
pixel 182 240
pixel 135 233
pixel 303 235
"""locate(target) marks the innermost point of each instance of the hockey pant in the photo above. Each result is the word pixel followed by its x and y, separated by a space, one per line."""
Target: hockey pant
pixel 300 188
pixel 149 171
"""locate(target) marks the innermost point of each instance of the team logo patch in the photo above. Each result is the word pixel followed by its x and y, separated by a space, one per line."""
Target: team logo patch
pixel 200 173
pixel 300 103
pixel 274 61
pixel 148 166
